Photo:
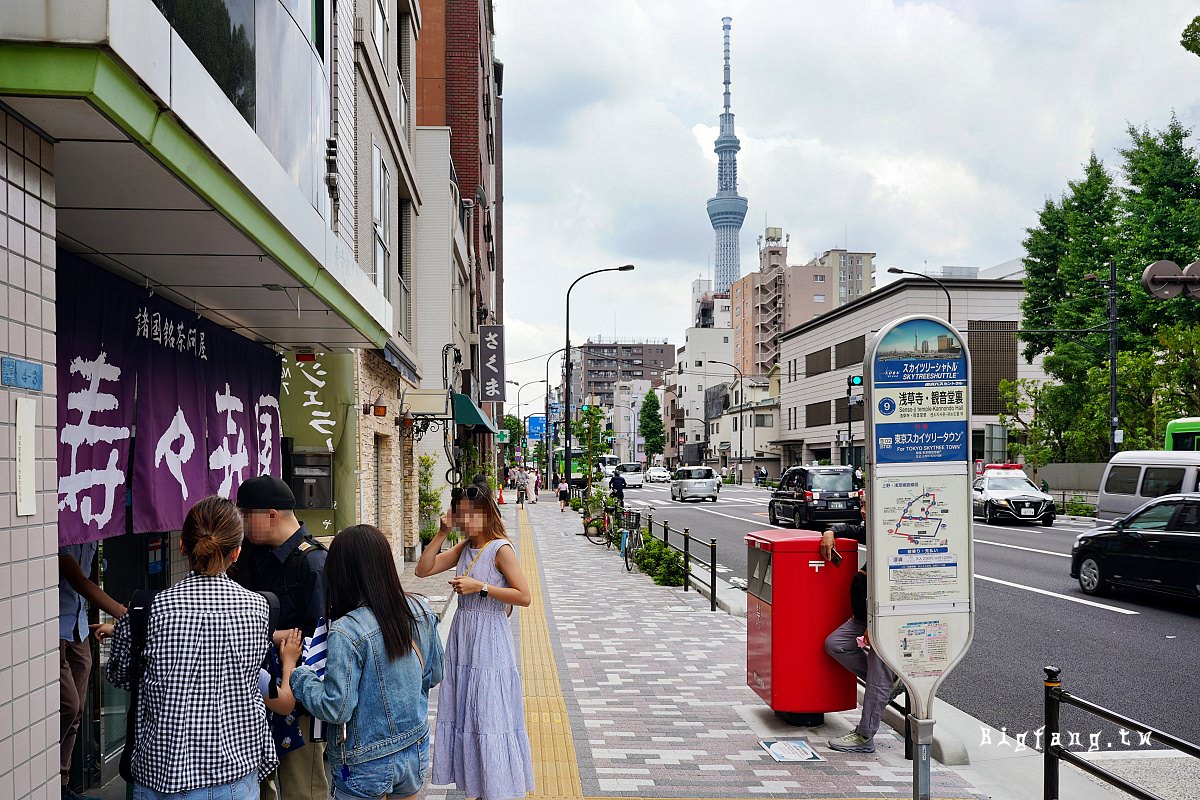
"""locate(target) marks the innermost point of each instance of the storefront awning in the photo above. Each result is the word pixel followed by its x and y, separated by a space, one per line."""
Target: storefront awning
pixel 467 413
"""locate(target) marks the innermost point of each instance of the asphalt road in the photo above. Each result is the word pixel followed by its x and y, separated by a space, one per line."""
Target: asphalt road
pixel 1135 653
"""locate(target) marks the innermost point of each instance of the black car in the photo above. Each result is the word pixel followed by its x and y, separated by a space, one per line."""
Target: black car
pixel 1156 547
pixel 815 496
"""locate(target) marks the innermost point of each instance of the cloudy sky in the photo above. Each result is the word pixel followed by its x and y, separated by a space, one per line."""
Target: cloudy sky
pixel 929 133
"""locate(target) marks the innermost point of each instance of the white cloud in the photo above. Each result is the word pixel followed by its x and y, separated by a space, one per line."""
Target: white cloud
pixel 922 131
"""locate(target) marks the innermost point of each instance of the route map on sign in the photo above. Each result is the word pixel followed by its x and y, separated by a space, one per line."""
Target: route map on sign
pixel 920 523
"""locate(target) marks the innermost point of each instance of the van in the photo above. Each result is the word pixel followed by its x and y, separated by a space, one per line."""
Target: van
pixel 1134 477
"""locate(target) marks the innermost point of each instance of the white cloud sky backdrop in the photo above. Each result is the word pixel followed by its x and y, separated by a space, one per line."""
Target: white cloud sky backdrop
pixel 926 132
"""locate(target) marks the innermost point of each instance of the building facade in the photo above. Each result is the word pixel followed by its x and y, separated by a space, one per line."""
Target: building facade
pixel 628 443
pixel 684 414
pixel 601 363
pixel 818 356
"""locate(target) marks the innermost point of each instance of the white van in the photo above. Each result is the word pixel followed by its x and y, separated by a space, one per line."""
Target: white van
pixel 1135 477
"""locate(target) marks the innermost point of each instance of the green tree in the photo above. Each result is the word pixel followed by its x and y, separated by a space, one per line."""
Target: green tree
pixel 513 449
pixel 1178 372
pixel 650 426
pixel 1190 40
pixel 1022 403
pixel 429 499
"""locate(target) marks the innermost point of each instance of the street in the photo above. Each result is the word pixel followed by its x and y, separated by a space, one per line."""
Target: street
pixel 1119 651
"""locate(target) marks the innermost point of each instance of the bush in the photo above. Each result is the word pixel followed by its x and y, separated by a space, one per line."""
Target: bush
pixel 575 503
pixel 1076 507
pixel 650 555
pixel 659 561
pixel 670 570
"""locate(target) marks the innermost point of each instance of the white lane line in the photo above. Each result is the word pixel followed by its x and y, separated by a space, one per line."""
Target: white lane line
pixel 1079 600
pixel 1027 549
pixel 730 516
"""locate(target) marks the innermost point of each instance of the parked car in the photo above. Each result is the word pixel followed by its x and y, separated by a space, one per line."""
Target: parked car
pixel 633 474
pixel 1134 476
pixel 1006 494
pixel 658 475
pixel 695 483
pixel 815 496
pixel 1156 547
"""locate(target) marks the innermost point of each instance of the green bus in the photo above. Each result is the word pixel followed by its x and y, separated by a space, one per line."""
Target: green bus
pixel 1183 434
pixel 579 473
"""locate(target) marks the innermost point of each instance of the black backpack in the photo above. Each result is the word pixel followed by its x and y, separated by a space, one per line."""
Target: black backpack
pixel 139 619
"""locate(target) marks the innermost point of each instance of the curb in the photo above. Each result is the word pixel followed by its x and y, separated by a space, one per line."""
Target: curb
pixel 948 748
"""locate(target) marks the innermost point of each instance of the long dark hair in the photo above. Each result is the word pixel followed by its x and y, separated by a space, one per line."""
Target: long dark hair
pixel 361 571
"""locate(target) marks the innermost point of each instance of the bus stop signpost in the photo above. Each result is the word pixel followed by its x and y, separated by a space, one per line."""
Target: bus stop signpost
pixel 919 545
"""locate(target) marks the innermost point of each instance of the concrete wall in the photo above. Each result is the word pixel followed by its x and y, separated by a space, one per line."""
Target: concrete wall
pixel 29 697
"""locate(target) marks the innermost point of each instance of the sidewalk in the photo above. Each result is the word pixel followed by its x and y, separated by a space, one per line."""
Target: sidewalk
pixel 635 690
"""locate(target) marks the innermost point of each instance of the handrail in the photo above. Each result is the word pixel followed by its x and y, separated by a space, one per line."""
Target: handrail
pixel 1055 697
pixel 688 558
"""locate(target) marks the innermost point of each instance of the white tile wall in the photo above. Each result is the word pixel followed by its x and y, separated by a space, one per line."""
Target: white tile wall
pixel 28 545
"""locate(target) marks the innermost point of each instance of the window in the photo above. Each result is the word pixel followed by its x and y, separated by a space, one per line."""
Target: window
pixel 818 298
pixel 1162 480
pixel 1154 518
pixel 380 206
pixel 699 363
pixel 699 388
pixel 818 362
pixel 818 278
pixel 1122 480
pixel 379 29
pixel 817 414
pixel 735 425
pixel 762 420
pixel 726 340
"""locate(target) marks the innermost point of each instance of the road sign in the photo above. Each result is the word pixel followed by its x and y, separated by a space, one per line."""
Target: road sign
pixel 919 545
pixel 502 437
pixel 536 427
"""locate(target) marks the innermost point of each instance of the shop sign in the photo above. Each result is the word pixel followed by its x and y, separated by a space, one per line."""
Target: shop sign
pixel 491 363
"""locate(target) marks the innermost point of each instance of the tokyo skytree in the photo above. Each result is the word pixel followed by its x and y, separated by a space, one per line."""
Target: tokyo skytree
pixel 727 209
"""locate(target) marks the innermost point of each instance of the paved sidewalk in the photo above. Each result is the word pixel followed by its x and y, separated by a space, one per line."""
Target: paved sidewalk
pixel 635 690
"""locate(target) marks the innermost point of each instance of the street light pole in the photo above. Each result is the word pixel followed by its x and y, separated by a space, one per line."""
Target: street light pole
pixel 549 427
pixel 949 307
pixel 741 406
pixel 520 387
pixel 567 350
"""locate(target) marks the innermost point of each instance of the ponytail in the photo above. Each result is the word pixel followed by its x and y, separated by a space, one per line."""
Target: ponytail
pixel 211 532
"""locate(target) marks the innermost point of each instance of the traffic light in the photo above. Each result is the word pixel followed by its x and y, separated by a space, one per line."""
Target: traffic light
pixel 584 407
pixel 853 380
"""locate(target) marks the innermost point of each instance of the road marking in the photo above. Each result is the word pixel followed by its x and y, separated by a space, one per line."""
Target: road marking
pixel 1027 549
pixel 740 519
pixel 1079 600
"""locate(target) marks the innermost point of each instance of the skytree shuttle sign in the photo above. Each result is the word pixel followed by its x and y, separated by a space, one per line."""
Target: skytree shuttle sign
pixel 919 545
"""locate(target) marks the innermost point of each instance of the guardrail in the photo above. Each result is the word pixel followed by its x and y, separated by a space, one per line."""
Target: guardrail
pixel 688 558
pixel 1056 697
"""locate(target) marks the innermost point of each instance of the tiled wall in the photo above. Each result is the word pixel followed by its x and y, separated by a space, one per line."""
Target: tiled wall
pixel 29 697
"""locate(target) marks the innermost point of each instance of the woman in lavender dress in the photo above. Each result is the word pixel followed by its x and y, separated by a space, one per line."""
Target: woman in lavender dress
pixel 480 744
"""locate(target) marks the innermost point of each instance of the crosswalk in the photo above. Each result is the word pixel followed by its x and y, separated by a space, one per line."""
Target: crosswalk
pixel 656 494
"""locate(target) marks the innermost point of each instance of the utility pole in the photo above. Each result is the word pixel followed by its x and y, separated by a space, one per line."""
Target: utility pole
pixel 1112 359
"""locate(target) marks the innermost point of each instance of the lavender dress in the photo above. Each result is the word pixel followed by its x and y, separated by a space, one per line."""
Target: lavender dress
pixel 480 742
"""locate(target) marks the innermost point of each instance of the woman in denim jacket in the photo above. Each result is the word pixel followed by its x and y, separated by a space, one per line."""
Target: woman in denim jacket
pixel 383 657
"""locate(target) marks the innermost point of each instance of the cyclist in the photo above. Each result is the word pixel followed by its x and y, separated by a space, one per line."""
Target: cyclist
pixel 617 485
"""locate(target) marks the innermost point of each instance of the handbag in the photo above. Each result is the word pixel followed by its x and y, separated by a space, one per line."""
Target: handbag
pixel 471 566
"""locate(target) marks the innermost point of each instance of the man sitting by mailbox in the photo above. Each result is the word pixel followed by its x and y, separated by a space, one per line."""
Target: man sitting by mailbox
pixel 850 646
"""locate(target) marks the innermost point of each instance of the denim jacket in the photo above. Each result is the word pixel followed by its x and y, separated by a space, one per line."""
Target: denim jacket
pixel 379 707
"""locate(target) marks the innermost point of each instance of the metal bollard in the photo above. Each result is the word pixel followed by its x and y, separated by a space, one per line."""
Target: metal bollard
pixel 687 560
pixel 1053 686
pixel 666 534
pixel 650 523
pixel 712 574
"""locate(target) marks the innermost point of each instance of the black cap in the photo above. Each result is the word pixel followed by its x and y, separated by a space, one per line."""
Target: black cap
pixel 265 492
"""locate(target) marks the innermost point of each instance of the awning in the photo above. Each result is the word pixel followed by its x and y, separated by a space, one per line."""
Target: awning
pixel 467 413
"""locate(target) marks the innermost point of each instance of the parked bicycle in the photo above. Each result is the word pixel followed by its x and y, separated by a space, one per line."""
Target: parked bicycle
pixel 631 543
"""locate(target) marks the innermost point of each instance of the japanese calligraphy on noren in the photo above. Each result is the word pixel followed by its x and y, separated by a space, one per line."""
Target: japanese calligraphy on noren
pixel 491 363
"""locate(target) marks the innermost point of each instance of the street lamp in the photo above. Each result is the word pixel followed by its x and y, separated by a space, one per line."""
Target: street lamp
pixel 567 349
pixel 949 313
pixel 1111 285
pixel 519 388
pixel 741 421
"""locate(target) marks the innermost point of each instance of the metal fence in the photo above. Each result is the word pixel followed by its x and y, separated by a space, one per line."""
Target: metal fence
pixel 686 549
pixel 1054 753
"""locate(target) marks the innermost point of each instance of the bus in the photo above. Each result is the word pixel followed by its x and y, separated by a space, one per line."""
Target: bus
pixel 579 473
pixel 1183 434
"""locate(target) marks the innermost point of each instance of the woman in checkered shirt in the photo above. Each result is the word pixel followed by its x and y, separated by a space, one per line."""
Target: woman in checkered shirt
pixel 201 723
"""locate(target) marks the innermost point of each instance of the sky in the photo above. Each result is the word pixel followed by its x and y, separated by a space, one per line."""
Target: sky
pixel 929 133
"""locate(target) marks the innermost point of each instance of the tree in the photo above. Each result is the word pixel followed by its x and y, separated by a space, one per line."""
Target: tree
pixel 1021 399
pixel 650 426
pixel 513 426
pixel 1190 40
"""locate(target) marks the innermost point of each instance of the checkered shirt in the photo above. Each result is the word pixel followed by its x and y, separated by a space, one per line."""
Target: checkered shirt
pixel 200 718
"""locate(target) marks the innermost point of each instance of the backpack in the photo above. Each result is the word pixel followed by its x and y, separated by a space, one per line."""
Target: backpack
pixel 139 620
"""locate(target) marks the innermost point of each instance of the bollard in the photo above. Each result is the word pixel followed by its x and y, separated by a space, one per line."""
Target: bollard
pixel 1053 686
pixel 687 560
pixel 712 574
pixel 666 534
pixel 650 524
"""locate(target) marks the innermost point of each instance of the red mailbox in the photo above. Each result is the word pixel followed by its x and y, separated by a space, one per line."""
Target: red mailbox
pixel 794 600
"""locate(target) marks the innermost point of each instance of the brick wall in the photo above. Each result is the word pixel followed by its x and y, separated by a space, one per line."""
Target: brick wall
pixel 29 696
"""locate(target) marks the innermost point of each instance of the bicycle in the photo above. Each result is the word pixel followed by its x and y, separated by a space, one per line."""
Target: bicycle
pixel 604 530
pixel 631 543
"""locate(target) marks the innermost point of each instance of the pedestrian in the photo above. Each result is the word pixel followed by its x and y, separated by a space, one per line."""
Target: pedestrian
pixel 383 657
pixel 724 474
pixel 75 591
pixel 616 485
pixel 1045 486
pixel 564 494
pixel 283 558
pixel 200 719
pixel 531 484
pixel 506 474
pixel 537 486
pixel 850 646
pixel 480 744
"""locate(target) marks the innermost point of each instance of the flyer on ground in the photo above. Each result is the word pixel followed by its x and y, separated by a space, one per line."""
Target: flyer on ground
pixel 790 750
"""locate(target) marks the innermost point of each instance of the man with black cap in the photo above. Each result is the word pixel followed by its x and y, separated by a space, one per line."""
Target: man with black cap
pixel 282 557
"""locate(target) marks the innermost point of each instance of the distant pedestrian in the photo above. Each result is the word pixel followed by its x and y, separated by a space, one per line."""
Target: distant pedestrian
pixel 480 744
pixel 564 494
pixel 531 484
pixel 384 655
pixel 201 722
pixel 1045 486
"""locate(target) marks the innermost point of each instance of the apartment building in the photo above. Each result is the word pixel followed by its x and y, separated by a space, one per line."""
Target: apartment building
pixel 684 413
pixel 780 296
pixel 628 443
pixel 601 363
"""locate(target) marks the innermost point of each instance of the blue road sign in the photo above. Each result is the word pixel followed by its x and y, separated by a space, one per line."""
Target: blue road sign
pixel 536 428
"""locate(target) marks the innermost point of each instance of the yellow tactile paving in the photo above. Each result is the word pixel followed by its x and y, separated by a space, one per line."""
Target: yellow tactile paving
pixel 555 767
